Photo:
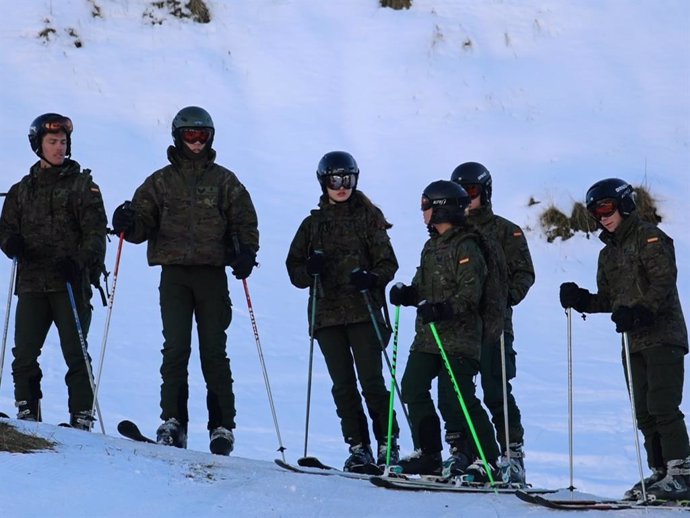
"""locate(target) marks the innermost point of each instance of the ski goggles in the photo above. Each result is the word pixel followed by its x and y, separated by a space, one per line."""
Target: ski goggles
pixel 603 208
pixel 473 190
pixel 341 181
pixel 55 125
pixel 192 135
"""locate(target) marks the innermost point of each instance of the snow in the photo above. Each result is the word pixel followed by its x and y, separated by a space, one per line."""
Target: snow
pixel 550 96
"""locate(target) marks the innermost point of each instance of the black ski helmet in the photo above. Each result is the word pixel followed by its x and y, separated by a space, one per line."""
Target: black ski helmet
pixel 336 163
pixel 49 123
pixel 612 188
pixel 192 117
pixel 474 173
pixel 448 201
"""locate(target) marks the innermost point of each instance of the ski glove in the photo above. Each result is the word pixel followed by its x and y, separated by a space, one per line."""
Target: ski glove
pixel 243 263
pixel 362 279
pixel 316 263
pixel 401 295
pixel 123 218
pixel 631 318
pixel 572 296
pixel 69 270
pixel 434 312
pixel 14 246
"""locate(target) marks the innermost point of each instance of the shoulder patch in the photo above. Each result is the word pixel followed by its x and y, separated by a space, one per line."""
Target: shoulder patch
pixel 517 233
pixel 94 189
pixel 652 239
pixel 464 260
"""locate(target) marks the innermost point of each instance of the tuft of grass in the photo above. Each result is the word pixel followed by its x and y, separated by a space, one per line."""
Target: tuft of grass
pixel 14 441
pixel 396 4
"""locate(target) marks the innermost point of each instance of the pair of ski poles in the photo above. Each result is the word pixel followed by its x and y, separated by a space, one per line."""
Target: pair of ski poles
pixel 628 371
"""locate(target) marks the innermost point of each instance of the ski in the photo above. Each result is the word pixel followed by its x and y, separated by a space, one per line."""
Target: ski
pixel 600 505
pixel 407 484
pixel 131 431
pixel 313 462
pixel 328 471
pixel 4 415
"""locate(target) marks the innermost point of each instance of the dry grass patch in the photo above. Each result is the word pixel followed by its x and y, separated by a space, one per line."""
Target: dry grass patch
pixel 14 441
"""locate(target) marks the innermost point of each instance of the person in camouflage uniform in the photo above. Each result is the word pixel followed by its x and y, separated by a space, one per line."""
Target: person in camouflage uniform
pixel 447 290
pixel 197 218
pixel 53 224
pixel 636 281
pixel 344 244
pixel 476 180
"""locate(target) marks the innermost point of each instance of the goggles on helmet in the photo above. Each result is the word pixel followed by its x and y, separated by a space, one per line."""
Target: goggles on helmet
pixel 603 208
pixel 192 135
pixel 340 181
pixel 55 125
pixel 473 190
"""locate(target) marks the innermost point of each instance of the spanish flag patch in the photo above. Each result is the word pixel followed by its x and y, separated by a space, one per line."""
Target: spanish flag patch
pixel 464 260
pixel 652 239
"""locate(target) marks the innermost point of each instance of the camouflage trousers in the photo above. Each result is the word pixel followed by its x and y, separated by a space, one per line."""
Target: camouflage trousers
pixel 36 312
pixel 201 293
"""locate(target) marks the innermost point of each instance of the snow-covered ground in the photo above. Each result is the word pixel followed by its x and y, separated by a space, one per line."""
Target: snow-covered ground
pixel 550 96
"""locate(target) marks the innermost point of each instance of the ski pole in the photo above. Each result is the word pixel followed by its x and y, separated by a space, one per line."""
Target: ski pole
pixel 312 322
pixel 504 379
pixel 377 329
pixel 7 315
pixel 628 370
pixel 466 413
pixel 392 391
pixel 111 301
pixel 250 308
pixel 569 313
pixel 82 342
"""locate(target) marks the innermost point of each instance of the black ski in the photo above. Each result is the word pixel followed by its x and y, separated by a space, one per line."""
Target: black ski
pixel 448 485
pixel 328 471
pixel 600 505
pixel 313 462
pixel 131 431
pixel 4 415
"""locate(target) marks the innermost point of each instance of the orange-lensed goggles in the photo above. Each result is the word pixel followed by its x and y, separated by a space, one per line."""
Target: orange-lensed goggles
pixel 473 190
pixel 55 125
pixel 192 135
pixel 603 208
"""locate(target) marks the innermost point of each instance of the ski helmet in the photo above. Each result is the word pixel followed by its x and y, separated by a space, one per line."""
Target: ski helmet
pixel 474 173
pixel 448 201
pixel 195 118
pixel 615 189
pixel 337 163
pixel 49 123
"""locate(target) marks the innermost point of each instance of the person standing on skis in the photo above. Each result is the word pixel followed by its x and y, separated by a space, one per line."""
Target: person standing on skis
pixel 344 244
pixel 54 225
pixel 446 290
pixel 636 283
pixel 476 180
pixel 197 218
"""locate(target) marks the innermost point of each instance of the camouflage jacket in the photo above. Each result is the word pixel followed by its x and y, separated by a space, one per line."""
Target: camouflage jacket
pixel 189 212
pixel 512 240
pixel 350 235
pixel 59 213
pixel 638 266
pixel 452 268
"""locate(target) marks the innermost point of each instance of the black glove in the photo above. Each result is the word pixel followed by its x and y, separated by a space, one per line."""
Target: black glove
pixel 243 263
pixel 14 246
pixel 631 318
pixel 69 270
pixel 435 312
pixel 316 263
pixel 362 279
pixel 401 295
pixel 123 218
pixel 572 296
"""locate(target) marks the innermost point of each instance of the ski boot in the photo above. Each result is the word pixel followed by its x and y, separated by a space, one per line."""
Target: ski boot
pixel 675 485
pixel 82 420
pixel 513 470
pixel 383 453
pixel 635 492
pixel 456 464
pixel 422 463
pixel 361 460
pixel 28 410
pixel 476 473
pixel 172 433
pixel 222 441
